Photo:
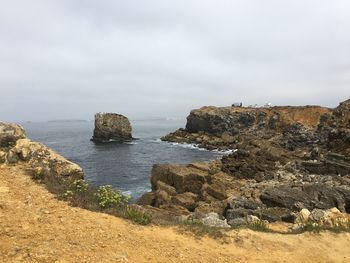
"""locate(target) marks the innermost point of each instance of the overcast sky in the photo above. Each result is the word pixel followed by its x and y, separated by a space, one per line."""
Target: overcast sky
pixel 68 59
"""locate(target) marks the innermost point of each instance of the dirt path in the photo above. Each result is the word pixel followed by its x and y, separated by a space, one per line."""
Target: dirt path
pixel 35 227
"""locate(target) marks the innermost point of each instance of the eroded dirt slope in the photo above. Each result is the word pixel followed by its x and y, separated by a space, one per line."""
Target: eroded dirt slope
pixel 36 227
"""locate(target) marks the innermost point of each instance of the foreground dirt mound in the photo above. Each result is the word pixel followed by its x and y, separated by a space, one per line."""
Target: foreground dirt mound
pixel 36 227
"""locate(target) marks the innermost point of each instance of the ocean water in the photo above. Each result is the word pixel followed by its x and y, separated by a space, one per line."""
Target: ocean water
pixel 126 166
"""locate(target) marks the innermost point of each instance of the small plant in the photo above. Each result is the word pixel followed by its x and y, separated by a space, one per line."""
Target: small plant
pixel 79 186
pixel 259 225
pixel 137 216
pixel 68 194
pixel 109 198
pixel 38 175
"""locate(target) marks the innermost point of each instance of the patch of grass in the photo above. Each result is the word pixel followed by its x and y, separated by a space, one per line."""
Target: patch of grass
pixel 199 229
pixel 338 225
pixel 102 199
pixel 137 216
pixel 260 226
pixel 38 175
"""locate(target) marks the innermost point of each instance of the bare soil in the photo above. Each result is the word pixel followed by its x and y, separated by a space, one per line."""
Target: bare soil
pixel 36 227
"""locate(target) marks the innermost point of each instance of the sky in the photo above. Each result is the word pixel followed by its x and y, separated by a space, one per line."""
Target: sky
pixel 68 59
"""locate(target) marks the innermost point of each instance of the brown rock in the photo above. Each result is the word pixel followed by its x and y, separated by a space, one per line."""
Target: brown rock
pixel 187 200
pixel 10 133
pixel 111 127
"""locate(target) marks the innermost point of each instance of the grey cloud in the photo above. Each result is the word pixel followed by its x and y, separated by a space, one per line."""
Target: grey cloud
pixel 163 58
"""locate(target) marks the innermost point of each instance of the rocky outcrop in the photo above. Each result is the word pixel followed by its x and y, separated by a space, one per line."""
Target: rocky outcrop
pixel 197 187
pixel 284 159
pixel 43 160
pixel 334 128
pixel 222 127
pixel 111 127
pixel 37 156
pixel 10 133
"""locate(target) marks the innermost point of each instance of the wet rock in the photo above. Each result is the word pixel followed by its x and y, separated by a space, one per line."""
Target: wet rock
pixel 111 127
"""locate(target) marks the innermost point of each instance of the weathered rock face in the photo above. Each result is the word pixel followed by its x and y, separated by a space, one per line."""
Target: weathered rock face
pixel 288 159
pixel 335 128
pixel 111 127
pixel 16 148
pixel 197 187
pixel 43 160
pixel 221 128
pixel 217 121
pixel 10 133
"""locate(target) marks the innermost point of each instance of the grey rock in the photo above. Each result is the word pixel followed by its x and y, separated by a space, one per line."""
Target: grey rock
pixel 241 221
pixel 213 220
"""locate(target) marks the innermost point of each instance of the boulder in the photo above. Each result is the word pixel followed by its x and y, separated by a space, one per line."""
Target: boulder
pixel 310 196
pixel 213 220
pixel 10 133
pixel 285 196
pixel 182 178
pixel 111 127
pixel 187 200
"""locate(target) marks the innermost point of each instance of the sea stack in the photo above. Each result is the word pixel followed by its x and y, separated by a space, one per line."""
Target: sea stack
pixel 111 127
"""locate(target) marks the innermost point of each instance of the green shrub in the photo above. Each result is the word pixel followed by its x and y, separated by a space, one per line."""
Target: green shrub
pixel 137 216
pixel 79 186
pixel 109 198
pixel 38 175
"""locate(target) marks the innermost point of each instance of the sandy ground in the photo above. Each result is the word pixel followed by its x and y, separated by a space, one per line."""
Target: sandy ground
pixel 35 227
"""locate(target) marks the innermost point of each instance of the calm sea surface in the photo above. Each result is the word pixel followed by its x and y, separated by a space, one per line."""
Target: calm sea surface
pixel 124 166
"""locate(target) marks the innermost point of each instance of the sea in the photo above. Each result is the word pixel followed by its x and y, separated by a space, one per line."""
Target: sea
pixel 125 166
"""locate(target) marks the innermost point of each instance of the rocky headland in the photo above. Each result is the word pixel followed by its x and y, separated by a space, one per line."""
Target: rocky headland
pixel 111 127
pixel 285 161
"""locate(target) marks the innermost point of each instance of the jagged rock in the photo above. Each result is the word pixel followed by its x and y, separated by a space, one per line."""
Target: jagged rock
pixel 213 220
pixel 323 218
pixel 316 215
pixel 167 188
pixel 187 200
pixel 285 196
pixel 182 178
pixel 324 197
pixel 259 164
pixel 2 157
pixel 111 127
pixel 10 133
pixel 147 199
pixel 236 222
pixel 42 158
pixel 309 196
pixel 332 164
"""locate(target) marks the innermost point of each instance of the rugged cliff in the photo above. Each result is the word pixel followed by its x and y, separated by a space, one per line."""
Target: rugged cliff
pixel 16 148
pixel 285 159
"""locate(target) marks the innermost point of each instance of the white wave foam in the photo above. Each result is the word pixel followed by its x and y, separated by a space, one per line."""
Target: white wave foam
pixel 196 147
pixel 131 143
